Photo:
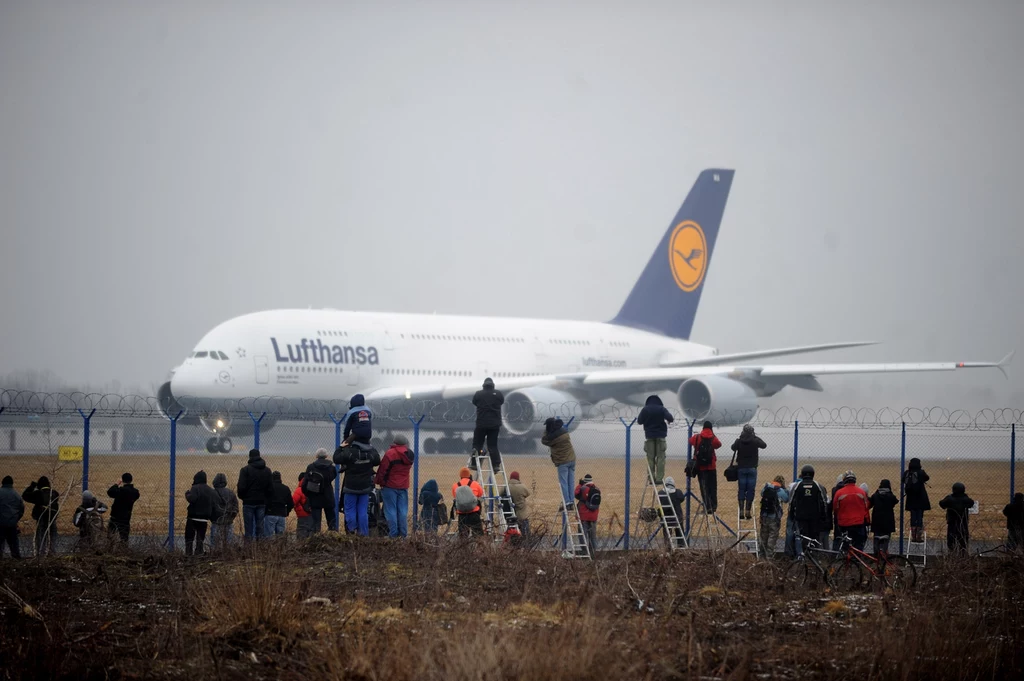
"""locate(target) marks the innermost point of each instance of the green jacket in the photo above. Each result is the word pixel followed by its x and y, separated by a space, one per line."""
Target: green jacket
pixel 561 447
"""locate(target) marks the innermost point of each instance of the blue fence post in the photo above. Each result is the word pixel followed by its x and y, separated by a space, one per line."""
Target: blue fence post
pixel 629 428
pixel 415 471
pixel 903 466
pixel 689 480
pixel 796 446
pixel 1013 459
pixel 85 448
pixel 174 468
pixel 337 473
pixel 256 429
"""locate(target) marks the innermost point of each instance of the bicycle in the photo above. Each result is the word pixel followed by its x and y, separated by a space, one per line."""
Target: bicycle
pixel 894 572
pixel 820 563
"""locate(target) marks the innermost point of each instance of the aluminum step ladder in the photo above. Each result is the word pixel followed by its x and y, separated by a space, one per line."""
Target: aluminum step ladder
pixel 748 531
pixel 655 501
pixel 572 540
pixel 498 511
pixel 917 551
pixel 706 525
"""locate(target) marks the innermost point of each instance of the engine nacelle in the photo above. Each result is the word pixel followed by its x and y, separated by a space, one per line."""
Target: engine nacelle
pixel 525 411
pixel 723 401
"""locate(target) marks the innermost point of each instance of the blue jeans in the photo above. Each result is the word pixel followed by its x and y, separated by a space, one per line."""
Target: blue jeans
pixel 221 535
pixel 252 517
pixel 356 521
pixel 396 511
pixel 273 524
pixel 567 480
pixel 748 483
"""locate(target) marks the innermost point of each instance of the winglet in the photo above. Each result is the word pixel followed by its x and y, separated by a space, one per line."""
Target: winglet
pixel 1005 362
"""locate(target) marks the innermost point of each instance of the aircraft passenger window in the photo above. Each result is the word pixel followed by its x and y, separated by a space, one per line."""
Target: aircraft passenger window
pixel 201 354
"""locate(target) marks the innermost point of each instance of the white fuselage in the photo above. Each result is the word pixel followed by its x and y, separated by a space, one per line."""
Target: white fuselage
pixel 331 354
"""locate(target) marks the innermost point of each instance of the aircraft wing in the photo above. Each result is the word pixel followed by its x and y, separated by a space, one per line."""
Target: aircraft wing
pixel 800 375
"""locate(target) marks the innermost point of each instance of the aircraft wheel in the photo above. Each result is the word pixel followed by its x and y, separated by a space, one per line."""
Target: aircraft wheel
pixel 225 445
pixel 211 445
pixel 430 446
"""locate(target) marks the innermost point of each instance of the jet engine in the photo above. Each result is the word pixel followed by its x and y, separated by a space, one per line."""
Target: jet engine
pixel 526 410
pixel 723 401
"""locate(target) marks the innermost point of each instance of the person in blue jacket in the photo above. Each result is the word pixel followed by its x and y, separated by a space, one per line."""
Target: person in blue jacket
pixel 358 421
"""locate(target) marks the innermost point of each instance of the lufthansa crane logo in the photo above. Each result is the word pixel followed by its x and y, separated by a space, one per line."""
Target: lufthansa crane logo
pixel 688 255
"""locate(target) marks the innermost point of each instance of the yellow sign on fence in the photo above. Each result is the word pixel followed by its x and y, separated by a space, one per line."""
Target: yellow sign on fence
pixel 69 454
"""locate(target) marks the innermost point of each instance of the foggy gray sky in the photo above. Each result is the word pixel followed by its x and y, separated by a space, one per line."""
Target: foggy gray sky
pixel 164 167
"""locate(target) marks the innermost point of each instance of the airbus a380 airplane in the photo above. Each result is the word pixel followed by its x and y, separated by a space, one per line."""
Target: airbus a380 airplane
pixel 329 355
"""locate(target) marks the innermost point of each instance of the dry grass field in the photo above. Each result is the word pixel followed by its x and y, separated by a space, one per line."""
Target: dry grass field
pixel 987 482
pixel 339 607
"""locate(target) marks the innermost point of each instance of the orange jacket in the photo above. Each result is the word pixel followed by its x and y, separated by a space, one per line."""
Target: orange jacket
pixel 300 501
pixel 478 491
pixel 851 504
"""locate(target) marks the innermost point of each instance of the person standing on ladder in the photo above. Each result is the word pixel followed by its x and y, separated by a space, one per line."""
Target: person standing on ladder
pixel 704 445
pixel 746 447
pixel 654 417
pixel 488 403
pixel 589 497
pixel 556 436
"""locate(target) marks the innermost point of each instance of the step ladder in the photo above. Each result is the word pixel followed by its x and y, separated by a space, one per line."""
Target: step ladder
pixel 747 531
pixel 706 525
pixel 917 551
pixel 657 515
pixel 499 513
pixel 573 540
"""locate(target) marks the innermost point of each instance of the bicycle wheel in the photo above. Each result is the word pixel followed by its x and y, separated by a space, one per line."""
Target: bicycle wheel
pixel 899 573
pixel 845 575
pixel 795 576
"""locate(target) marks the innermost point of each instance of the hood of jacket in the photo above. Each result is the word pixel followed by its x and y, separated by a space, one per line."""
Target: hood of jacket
pixel 358 400
pixel 199 478
pixel 43 482
pixel 914 465
pixel 404 452
pixel 430 486
pixel 959 490
pixel 220 481
pixel 654 400
pixel 707 434
pixel 488 384
pixel 276 476
pixel 553 425
pixel 747 434
pixel 258 463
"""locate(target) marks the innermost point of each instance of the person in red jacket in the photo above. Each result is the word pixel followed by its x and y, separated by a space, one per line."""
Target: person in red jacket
pixel 706 459
pixel 303 512
pixel 588 498
pixel 850 505
pixel 393 479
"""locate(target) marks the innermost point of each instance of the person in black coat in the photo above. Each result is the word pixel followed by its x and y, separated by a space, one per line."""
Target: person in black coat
pixel 958 508
pixel 1014 512
pixel 883 517
pixel 204 507
pixel 255 487
pixel 488 420
pixel 654 417
pixel 746 447
pixel 124 495
pixel 279 506
pixel 358 462
pixel 46 506
pixel 318 485
pixel 915 496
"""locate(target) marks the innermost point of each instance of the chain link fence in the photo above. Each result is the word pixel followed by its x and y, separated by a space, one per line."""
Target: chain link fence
pixel 45 435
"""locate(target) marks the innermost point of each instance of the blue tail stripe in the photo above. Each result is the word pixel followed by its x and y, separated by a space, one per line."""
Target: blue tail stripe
pixel 665 298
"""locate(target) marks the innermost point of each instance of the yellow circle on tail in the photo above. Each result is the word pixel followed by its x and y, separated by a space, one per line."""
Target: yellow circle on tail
pixel 688 255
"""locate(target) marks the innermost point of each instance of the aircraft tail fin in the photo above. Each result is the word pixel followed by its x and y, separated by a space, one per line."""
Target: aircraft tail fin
pixel 665 297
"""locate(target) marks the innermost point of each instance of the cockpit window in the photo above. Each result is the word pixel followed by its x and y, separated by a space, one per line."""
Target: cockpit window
pixel 200 354
pixel 222 355
pixel 191 354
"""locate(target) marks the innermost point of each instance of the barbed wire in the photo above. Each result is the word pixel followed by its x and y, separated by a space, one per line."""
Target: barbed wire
pixel 27 403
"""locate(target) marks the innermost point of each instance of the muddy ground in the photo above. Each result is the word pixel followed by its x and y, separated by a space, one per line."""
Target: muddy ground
pixel 343 608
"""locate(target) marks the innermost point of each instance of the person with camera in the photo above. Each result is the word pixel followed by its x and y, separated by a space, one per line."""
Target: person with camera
pixel 589 498
pixel 705 443
pixel 357 461
pixel 746 448
pixel 124 495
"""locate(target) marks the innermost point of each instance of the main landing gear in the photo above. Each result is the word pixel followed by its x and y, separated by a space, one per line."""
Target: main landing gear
pixel 217 445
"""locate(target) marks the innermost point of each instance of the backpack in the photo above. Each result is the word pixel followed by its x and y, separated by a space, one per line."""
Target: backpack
pixel 593 500
pixel 770 505
pixel 442 513
pixel 705 451
pixel 914 485
pixel 91 522
pixel 808 503
pixel 465 500
pixel 313 483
